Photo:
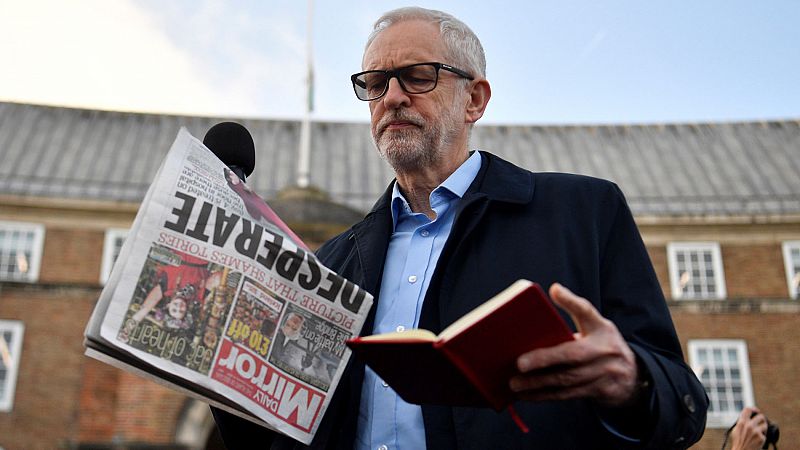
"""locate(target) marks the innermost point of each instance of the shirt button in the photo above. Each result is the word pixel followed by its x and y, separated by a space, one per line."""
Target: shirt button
pixel 384 384
pixel 400 328
pixel 412 279
pixel 424 233
pixel 383 447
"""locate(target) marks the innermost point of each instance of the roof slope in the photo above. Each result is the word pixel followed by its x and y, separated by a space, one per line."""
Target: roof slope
pixel 686 169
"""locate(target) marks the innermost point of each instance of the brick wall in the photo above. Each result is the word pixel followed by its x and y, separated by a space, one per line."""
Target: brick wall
pixel 72 256
pixel 773 343
pixel 754 271
pixel 46 402
pixel 751 271
pixel 98 401
pixel 64 397
pixel 146 411
pixel 658 256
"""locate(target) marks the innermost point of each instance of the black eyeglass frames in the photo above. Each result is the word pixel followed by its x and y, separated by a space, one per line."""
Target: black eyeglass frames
pixel 414 79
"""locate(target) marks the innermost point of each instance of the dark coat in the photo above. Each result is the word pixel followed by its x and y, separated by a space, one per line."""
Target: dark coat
pixel 544 227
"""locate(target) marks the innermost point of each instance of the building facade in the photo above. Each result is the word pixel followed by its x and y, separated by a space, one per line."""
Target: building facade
pixel 718 206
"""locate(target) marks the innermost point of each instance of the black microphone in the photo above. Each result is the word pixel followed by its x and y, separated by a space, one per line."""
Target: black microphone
pixel 234 146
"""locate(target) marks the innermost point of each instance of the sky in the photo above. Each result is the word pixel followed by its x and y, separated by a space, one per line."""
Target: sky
pixel 548 62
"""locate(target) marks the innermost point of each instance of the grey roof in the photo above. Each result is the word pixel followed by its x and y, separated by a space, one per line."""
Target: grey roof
pixel 678 169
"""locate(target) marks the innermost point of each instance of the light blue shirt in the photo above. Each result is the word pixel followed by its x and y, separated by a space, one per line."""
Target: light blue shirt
pixel 385 421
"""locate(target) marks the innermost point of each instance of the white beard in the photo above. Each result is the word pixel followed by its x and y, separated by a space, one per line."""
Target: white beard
pixel 418 147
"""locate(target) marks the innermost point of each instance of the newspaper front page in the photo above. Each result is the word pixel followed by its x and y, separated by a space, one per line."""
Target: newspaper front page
pixel 212 289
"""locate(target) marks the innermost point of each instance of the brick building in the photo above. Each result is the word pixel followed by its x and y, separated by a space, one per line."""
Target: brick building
pixel 718 206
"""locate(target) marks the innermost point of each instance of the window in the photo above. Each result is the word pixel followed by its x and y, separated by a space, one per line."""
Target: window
pixel 791 257
pixel 115 237
pixel 20 251
pixel 695 270
pixel 724 369
pixel 10 348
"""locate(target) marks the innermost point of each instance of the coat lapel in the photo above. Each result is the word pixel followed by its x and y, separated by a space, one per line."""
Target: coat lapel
pixel 497 181
pixel 371 237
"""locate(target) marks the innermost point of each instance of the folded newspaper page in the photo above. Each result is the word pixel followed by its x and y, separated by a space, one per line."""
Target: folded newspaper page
pixel 214 296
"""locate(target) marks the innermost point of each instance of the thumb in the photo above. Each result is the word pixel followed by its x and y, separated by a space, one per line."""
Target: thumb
pixel 583 313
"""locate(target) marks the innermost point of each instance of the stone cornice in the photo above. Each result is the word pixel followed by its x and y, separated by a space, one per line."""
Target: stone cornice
pixel 736 306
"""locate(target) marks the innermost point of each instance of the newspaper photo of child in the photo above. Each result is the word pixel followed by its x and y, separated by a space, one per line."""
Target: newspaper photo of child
pixel 178 309
pixel 308 347
pixel 176 314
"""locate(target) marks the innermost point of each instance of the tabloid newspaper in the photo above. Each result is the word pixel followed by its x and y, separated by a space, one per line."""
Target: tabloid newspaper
pixel 214 296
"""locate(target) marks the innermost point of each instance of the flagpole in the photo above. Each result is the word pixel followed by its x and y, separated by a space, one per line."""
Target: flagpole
pixel 304 159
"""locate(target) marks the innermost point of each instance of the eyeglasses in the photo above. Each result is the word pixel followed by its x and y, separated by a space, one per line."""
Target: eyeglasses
pixel 414 79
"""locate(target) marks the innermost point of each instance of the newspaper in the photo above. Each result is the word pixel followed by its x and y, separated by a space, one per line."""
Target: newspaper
pixel 213 295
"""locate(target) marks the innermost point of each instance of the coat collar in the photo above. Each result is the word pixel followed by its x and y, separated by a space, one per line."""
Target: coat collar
pixel 498 180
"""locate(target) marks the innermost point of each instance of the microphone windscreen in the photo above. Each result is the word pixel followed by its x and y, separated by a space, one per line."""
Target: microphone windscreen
pixel 233 145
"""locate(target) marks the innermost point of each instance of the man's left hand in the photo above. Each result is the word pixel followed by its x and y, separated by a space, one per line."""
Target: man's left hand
pixel 598 364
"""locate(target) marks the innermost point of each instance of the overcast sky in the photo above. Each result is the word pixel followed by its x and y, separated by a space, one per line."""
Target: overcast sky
pixel 626 61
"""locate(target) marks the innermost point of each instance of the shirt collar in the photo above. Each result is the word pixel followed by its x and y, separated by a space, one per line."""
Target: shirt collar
pixel 457 184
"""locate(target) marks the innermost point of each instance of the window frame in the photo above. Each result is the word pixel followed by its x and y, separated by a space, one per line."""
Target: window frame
pixel 794 286
pixel 720 419
pixel 673 248
pixel 111 235
pixel 17 329
pixel 37 247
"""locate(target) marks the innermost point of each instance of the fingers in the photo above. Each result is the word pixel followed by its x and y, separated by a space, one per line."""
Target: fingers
pixel 555 377
pixel 754 416
pixel 759 421
pixel 586 316
pixel 607 379
pixel 597 364
pixel 748 412
pixel 601 336
pixel 564 354
pixel 560 377
pixel 751 427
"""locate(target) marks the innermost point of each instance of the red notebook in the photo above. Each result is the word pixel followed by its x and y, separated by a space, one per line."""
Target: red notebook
pixel 470 362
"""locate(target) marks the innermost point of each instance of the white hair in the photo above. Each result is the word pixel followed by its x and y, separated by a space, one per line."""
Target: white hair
pixel 462 45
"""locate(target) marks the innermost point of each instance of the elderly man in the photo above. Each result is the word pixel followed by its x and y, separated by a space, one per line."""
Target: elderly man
pixel 455 228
